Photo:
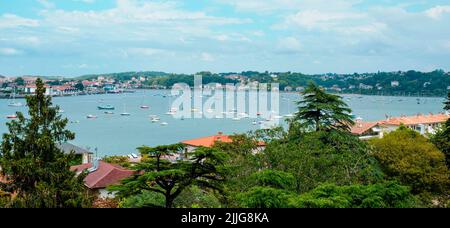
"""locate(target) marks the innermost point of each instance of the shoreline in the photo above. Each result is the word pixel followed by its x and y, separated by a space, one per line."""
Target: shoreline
pixel 21 97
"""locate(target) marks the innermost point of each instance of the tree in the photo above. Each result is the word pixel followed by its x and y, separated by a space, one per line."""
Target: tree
pixel 264 197
pixel 381 195
pixel 314 158
pixel 410 158
pixel 79 86
pixel 203 168
pixel 37 171
pixel 322 111
pixel 272 189
pixel 442 137
pixel 19 81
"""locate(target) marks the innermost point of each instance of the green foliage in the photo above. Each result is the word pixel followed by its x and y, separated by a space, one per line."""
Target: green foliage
pixel 264 197
pixel 118 160
pixel 442 141
pixel 239 167
pixel 19 81
pixel 382 195
pixel 410 158
pixel 274 179
pixel 36 169
pixel 196 197
pixel 319 157
pixel 146 199
pixel 204 168
pixel 79 86
pixel 322 111
pixel 442 137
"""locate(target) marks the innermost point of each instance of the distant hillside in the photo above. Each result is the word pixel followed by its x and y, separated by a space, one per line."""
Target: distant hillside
pixel 124 75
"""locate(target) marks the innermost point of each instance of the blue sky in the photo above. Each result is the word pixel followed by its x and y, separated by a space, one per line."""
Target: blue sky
pixel 76 37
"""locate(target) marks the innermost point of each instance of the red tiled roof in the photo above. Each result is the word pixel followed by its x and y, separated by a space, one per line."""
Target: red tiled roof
pixel 417 119
pixel 106 174
pixel 211 140
pixel 208 141
pixel 361 127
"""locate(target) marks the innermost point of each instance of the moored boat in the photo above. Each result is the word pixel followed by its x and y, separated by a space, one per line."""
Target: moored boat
pixel 11 116
pixel 106 107
pixel 91 117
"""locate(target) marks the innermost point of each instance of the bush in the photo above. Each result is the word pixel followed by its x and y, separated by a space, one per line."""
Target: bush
pixel 385 195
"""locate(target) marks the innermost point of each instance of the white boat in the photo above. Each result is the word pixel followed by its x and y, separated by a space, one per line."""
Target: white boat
pixel 145 107
pixel 13 103
pixel 170 113
pixel 236 119
pixel 91 117
pixel 164 124
pixel 219 117
pixel 109 113
pixel 125 113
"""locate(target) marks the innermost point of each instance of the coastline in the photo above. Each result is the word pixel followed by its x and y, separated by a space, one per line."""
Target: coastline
pixel 21 96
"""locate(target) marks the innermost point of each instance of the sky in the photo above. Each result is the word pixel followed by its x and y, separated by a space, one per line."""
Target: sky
pixel 77 37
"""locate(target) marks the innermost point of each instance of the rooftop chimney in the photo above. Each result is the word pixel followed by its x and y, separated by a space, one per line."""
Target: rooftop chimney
pixel 95 165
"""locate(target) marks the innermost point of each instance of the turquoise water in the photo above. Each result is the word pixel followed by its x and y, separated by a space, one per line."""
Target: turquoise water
pixel 119 135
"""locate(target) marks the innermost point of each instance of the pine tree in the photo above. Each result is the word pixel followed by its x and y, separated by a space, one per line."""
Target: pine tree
pixel 323 111
pixel 37 171
pixel 204 167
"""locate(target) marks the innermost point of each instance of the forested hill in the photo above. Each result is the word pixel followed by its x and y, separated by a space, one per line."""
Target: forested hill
pixel 407 83
pixel 124 76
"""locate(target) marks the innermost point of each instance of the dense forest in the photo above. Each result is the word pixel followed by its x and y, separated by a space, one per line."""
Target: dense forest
pixel 410 83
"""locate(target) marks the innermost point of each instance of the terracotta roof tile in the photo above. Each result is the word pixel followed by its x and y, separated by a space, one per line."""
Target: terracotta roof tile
pixel 106 174
pixel 211 140
pixel 208 141
pixel 361 127
pixel 417 119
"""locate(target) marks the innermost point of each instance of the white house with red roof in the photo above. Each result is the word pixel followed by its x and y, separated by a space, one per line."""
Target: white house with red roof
pixel 102 175
pixel 424 124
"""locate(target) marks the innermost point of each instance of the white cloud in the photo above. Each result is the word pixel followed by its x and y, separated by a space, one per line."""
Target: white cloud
pixel 145 51
pixel 207 57
pixel 289 45
pixel 10 51
pixel 46 4
pixel 13 21
pixel 438 11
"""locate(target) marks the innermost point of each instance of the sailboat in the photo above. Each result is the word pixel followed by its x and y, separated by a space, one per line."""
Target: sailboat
pixel 124 113
pixel 13 103
pixel 142 103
